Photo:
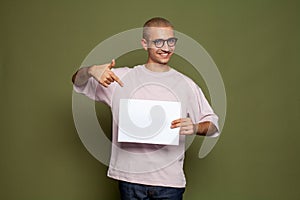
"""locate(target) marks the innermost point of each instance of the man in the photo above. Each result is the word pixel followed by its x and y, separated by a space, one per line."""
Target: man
pixel 150 171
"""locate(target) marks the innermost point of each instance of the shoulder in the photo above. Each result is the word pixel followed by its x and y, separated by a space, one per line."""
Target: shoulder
pixel 126 69
pixel 121 71
pixel 187 79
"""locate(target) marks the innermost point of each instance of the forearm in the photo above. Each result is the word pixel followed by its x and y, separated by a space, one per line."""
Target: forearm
pixel 205 128
pixel 81 76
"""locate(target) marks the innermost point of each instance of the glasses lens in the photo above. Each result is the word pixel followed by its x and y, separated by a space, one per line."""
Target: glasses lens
pixel 159 43
pixel 172 42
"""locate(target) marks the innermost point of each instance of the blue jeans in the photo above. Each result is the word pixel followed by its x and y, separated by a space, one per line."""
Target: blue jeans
pixel 133 191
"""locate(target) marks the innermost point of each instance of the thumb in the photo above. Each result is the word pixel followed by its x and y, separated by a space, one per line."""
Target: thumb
pixel 112 64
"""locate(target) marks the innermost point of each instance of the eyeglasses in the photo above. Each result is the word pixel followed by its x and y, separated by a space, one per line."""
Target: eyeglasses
pixel 159 43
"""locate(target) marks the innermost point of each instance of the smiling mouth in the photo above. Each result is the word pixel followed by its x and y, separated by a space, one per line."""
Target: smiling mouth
pixel 164 54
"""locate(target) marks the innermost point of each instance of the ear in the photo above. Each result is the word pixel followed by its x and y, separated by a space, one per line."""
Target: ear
pixel 144 44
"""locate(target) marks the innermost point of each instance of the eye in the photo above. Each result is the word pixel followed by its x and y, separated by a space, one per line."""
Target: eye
pixel 172 41
pixel 158 42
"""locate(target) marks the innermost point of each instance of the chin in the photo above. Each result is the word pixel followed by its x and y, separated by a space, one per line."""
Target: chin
pixel 163 61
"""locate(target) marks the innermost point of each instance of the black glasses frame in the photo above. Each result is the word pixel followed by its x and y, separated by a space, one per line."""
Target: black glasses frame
pixel 162 41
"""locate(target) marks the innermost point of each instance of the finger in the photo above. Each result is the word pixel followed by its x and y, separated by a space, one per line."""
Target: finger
pixel 117 79
pixel 176 125
pixel 176 121
pixel 112 64
pixel 109 78
pixel 107 82
pixel 104 84
pixel 186 128
pixel 186 123
pixel 185 132
pixel 181 120
pixel 181 123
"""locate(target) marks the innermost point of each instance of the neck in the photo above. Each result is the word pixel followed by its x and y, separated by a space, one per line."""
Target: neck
pixel 156 67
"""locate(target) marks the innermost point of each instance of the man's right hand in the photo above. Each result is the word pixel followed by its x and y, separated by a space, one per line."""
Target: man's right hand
pixel 104 75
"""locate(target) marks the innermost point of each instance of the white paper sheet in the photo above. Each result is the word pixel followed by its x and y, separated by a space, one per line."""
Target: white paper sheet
pixel 148 121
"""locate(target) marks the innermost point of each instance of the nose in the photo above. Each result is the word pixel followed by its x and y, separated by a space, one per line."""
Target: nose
pixel 165 47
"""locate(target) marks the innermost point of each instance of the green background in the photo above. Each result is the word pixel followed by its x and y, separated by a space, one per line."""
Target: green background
pixel 255 45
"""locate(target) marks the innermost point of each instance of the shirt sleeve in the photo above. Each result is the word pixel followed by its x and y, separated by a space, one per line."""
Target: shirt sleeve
pixel 96 91
pixel 201 111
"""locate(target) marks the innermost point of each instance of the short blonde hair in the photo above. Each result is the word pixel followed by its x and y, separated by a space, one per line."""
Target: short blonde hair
pixel 155 22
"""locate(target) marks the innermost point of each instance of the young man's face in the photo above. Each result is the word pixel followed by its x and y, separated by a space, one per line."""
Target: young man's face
pixel 159 49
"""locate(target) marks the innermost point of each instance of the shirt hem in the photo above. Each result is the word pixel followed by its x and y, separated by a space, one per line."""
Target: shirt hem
pixel 147 182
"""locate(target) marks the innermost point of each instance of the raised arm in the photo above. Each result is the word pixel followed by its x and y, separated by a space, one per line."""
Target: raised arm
pixel 102 73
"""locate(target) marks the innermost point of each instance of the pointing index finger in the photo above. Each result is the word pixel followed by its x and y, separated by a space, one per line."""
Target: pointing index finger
pixel 117 79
